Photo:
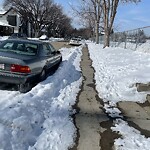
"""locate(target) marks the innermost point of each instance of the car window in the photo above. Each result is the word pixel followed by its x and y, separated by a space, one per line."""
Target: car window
pixel 23 48
pixel 20 47
pixel 8 46
pixel 46 49
pixel 31 48
pixel 52 48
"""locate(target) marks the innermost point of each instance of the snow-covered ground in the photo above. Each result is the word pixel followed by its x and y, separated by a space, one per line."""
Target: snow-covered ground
pixel 40 119
pixel 144 47
pixel 117 70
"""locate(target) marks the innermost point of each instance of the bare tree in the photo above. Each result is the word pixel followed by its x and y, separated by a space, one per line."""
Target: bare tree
pixel 109 12
pixel 103 13
pixel 90 13
pixel 97 15
pixel 59 24
pixel 42 14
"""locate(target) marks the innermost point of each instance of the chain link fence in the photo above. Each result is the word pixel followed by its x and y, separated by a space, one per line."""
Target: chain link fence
pixel 131 39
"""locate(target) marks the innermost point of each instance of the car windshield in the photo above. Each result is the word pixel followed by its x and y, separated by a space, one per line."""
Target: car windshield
pixel 23 48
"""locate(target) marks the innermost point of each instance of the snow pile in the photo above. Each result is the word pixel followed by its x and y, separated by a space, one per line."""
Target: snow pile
pixel 56 39
pixel 2 38
pixel 145 47
pixel 40 119
pixel 142 47
pixel 131 138
pixel 43 37
pixel 116 72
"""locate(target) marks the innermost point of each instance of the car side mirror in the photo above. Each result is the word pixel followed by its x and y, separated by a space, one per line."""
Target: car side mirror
pixel 54 52
pixel 58 52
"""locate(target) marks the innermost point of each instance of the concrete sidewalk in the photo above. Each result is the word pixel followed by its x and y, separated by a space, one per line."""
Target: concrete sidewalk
pixel 93 124
pixel 90 113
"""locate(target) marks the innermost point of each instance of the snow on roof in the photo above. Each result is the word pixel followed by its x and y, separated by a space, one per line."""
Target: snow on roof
pixel 5 24
pixel 2 11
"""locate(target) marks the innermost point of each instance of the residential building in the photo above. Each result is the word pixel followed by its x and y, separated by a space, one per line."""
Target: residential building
pixel 10 22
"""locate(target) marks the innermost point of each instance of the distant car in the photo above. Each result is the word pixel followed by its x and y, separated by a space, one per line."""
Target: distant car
pixel 18 35
pixel 24 61
pixel 75 41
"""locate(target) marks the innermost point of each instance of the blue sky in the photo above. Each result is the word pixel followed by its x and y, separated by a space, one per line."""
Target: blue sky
pixel 129 16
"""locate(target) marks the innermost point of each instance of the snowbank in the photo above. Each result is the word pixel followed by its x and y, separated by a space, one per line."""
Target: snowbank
pixel 40 119
pixel 116 72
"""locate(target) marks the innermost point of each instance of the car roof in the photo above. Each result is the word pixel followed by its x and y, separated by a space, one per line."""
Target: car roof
pixel 26 40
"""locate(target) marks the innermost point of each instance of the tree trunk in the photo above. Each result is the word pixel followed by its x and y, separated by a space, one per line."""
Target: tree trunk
pixel 97 32
pixel 36 34
pixel 106 38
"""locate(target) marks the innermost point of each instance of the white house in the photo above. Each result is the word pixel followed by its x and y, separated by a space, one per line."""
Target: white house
pixel 10 22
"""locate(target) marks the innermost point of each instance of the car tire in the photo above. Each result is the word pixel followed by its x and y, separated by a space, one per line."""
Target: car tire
pixel 24 87
pixel 43 75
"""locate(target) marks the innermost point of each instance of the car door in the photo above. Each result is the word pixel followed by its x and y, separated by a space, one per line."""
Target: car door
pixel 55 54
pixel 48 55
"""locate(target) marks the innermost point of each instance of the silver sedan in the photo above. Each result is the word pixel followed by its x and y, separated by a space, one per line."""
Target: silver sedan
pixel 23 61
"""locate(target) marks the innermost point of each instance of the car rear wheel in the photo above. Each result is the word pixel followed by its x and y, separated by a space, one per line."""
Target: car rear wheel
pixel 24 87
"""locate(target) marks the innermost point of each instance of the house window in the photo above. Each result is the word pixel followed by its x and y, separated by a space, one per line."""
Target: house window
pixel 12 20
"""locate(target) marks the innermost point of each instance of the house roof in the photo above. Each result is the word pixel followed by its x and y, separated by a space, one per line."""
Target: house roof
pixel 3 12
